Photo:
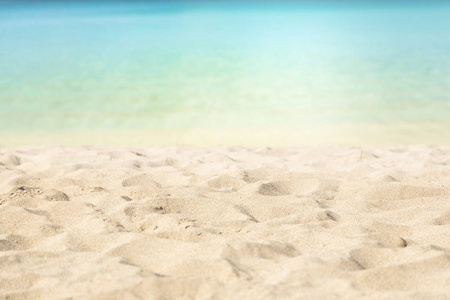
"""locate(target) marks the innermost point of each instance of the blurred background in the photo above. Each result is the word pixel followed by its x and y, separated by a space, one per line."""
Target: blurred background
pixel 250 73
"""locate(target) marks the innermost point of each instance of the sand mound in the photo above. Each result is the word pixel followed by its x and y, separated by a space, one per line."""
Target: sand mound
pixel 224 223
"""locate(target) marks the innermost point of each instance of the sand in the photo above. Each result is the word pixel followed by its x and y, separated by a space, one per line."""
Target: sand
pixel 317 135
pixel 225 223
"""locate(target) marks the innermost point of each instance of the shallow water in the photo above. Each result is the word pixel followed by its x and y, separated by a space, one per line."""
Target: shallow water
pixel 112 65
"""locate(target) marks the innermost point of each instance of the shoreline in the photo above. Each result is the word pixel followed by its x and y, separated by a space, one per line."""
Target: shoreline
pixel 339 134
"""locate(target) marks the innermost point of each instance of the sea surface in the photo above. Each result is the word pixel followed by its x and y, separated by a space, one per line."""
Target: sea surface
pixel 80 66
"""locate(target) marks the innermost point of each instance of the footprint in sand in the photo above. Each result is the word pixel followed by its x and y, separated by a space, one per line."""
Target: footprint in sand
pixel 389 240
pixel 141 211
pixel 396 191
pixel 327 190
pixel 421 274
pixel 444 219
pixel 9 159
pixel 55 195
pixel 290 184
pixel 278 188
pixel 24 181
pixel 328 215
pixel 6 245
pixel 141 180
pixel 251 176
pixel 367 258
pixel 226 183
pixel 270 250
pixel 15 242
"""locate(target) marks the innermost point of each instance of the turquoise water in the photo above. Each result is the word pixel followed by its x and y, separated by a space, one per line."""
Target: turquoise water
pixel 112 65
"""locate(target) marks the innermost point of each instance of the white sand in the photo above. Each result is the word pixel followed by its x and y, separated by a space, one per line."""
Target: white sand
pixel 225 223
pixel 317 135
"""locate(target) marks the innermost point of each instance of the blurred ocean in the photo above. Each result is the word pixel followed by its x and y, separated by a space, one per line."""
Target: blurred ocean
pixel 123 65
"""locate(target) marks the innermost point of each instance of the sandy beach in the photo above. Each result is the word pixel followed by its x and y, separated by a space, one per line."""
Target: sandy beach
pixel 260 150
pixel 225 223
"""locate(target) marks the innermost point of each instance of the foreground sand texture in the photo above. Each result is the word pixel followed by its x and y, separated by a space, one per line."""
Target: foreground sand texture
pixel 225 223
